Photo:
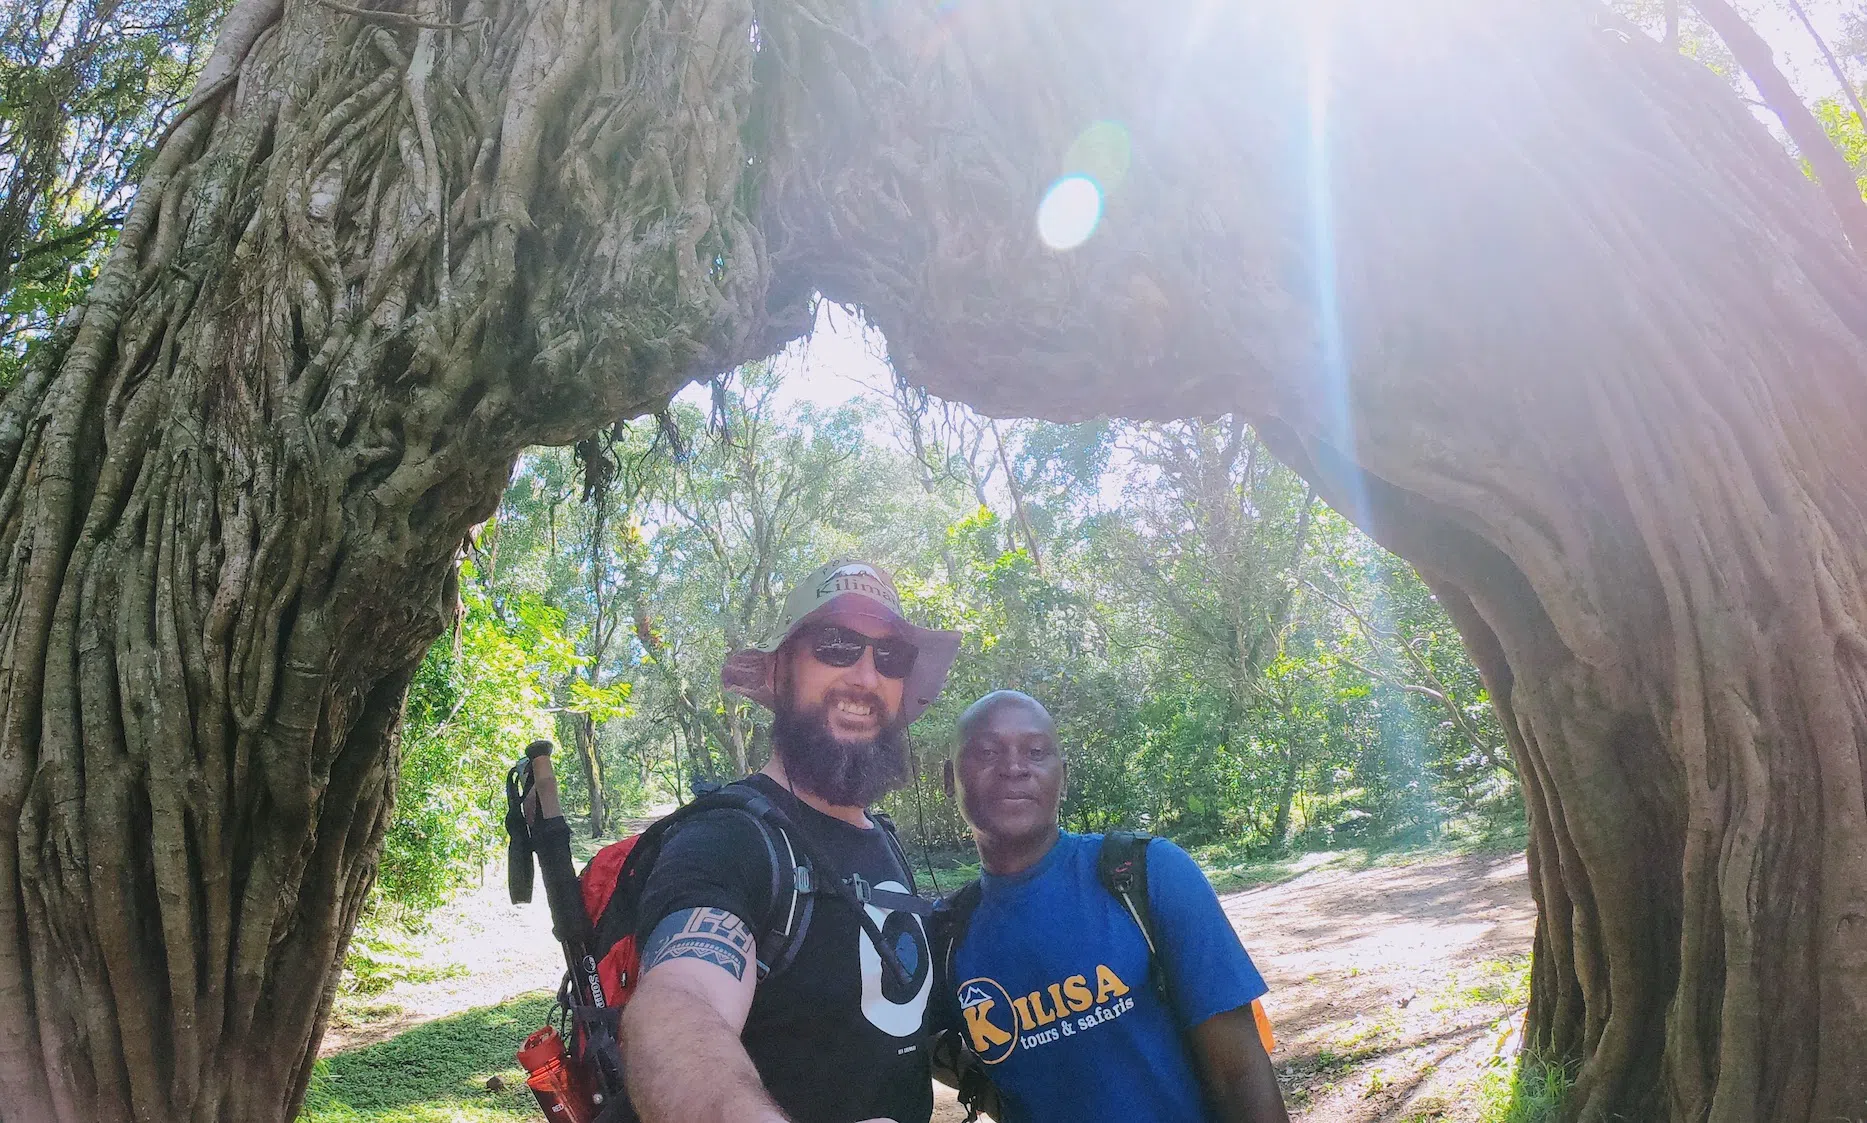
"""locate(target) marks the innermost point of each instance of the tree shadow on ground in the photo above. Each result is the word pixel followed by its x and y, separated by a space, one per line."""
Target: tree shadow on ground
pixel 433 1072
pixel 1387 918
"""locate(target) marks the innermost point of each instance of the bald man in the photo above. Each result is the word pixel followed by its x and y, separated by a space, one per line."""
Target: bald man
pixel 1049 977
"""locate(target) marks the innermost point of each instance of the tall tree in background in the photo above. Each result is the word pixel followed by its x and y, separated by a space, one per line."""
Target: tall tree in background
pixel 559 540
pixel 85 90
pixel 1533 300
pixel 771 494
pixel 1754 54
pixel 1223 530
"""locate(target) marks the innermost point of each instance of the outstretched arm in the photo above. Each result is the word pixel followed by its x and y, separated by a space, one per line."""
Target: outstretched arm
pixel 1213 982
pixel 1239 1081
pixel 680 1033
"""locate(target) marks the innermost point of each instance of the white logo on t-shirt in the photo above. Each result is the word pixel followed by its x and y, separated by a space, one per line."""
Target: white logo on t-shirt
pixel 888 1007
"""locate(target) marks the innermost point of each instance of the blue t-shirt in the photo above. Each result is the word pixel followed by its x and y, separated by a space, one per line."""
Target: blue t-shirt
pixel 1054 993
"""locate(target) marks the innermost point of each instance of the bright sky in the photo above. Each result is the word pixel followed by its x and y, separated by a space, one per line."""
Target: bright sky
pixel 844 359
pixel 840 360
pixel 1796 52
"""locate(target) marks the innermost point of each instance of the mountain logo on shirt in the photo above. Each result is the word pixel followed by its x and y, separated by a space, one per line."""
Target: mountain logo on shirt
pixel 991 1021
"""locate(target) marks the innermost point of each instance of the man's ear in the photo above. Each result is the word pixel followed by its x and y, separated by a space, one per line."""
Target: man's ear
pixel 947 780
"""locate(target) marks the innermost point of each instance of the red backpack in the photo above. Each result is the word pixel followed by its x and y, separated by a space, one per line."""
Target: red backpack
pixel 613 882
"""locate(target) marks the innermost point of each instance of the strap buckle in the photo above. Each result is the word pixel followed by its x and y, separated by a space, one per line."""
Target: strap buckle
pixel 861 887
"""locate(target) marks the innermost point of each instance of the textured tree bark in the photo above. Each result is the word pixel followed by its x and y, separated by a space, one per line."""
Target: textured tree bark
pixel 1535 302
pixel 379 255
pixel 1542 307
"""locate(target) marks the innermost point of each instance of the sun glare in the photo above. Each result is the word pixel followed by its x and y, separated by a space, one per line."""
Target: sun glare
pixel 1094 166
pixel 1069 212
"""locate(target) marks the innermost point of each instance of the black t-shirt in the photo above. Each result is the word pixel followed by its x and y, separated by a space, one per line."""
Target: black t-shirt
pixel 833 1039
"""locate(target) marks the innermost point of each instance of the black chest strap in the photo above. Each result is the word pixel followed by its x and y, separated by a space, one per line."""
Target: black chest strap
pixel 1122 868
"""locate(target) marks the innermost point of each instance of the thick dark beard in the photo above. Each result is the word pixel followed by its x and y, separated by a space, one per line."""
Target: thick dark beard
pixel 846 774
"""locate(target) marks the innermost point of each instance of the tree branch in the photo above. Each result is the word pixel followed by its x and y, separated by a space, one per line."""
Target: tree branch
pixel 400 18
pixel 1834 64
pixel 1832 172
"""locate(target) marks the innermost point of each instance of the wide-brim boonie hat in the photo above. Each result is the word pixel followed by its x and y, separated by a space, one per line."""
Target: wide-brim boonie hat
pixel 844 586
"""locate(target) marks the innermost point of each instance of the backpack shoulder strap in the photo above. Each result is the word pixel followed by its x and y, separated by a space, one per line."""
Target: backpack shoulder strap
pixel 909 901
pixel 792 882
pixel 1122 868
pixel 951 1051
pixel 952 916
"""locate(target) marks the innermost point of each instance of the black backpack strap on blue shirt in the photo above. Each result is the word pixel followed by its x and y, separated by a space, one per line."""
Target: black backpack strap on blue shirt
pixel 1122 868
pixel 951 917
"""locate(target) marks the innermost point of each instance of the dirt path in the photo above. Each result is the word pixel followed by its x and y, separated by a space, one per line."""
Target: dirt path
pixel 481 949
pixel 1390 986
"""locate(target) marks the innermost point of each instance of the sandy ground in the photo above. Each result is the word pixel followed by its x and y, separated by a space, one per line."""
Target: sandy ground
pixel 1386 983
pixel 487 950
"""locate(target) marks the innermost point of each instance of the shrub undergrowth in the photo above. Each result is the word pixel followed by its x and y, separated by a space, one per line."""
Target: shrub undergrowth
pixel 1533 1092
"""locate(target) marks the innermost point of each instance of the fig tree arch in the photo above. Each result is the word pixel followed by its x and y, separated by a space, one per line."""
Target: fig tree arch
pixel 1531 299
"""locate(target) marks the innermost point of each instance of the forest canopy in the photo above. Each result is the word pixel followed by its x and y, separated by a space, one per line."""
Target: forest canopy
pixel 1229 659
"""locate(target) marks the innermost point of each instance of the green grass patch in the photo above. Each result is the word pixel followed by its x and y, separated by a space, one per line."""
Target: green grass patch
pixel 1532 1093
pixel 1231 868
pixel 1374 1033
pixel 1482 835
pixel 1494 982
pixel 383 953
pixel 1329 1062
pixel 1429 1110
pixel 944 881
pixel 434 1073
pixel 1240 864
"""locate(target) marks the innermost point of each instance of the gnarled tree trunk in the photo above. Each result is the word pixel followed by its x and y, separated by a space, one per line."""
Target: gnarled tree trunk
pixel 1542 307
pixel 1535 302
pixel 380 254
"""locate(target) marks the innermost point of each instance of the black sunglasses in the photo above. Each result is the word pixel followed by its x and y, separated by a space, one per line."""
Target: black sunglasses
pixel 841 647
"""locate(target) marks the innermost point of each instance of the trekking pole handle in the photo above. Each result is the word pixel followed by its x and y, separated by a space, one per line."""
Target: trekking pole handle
pixel 544 782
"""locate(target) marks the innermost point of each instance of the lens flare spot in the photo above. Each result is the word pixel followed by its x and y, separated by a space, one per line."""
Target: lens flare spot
pixel 1102 152
pixel 1069 213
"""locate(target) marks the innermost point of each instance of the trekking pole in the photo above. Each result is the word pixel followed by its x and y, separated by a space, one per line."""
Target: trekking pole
pixel 550 836
pixel 592 1090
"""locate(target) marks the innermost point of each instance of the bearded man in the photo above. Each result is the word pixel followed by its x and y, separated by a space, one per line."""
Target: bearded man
pixel 716 1030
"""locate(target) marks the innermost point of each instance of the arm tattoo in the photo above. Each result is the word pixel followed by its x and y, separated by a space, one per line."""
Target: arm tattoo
pixel 713 935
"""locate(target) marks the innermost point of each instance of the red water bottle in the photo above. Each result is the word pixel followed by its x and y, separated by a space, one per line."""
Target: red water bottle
pixel 548 1074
